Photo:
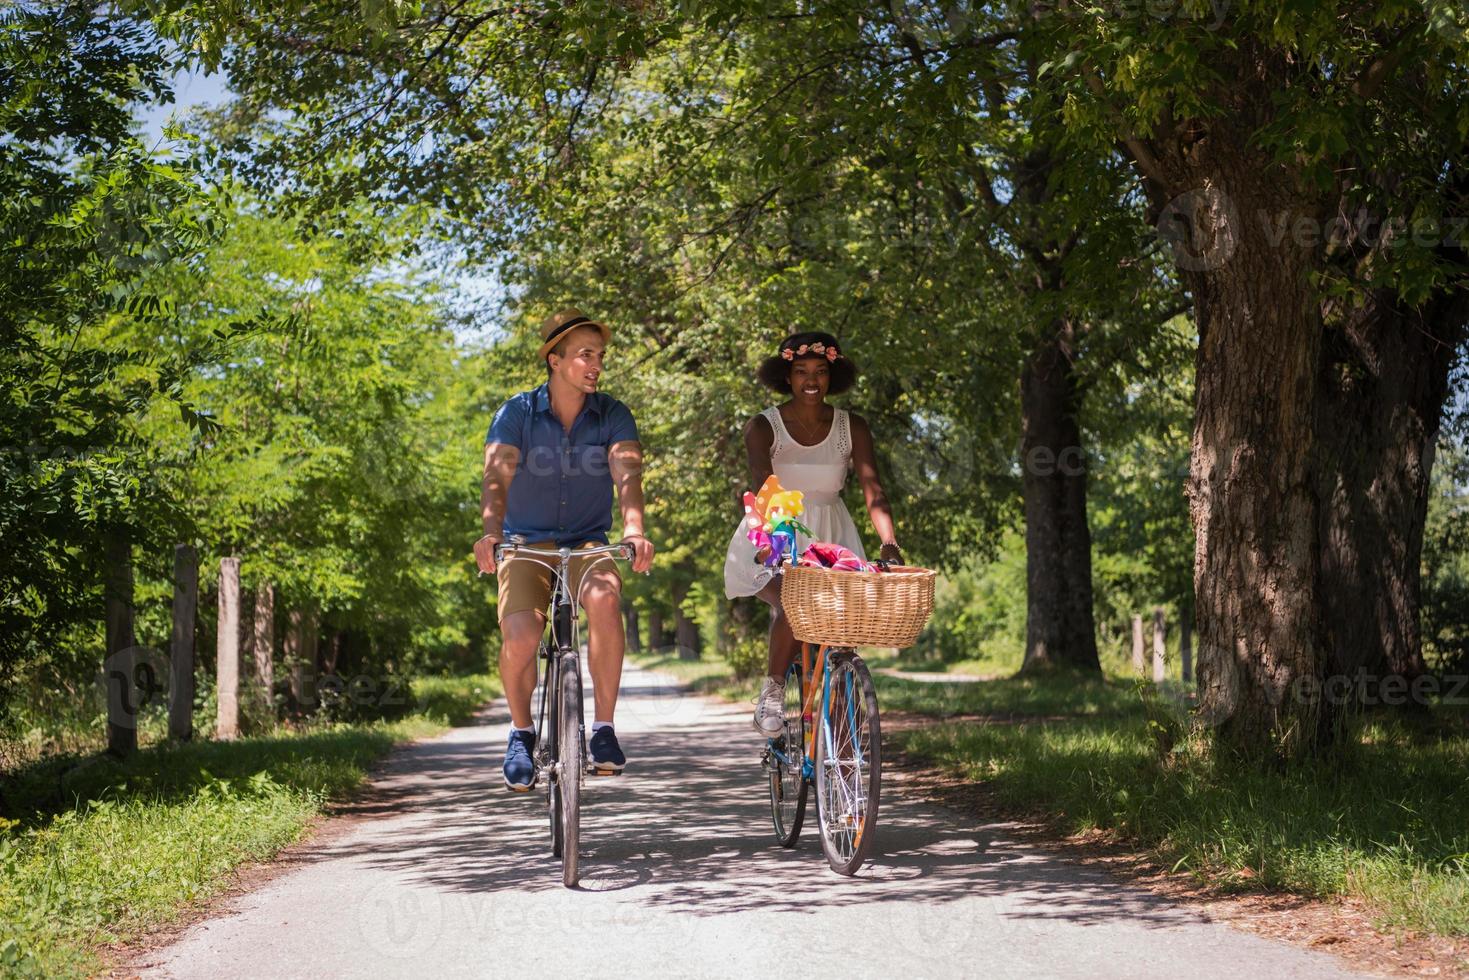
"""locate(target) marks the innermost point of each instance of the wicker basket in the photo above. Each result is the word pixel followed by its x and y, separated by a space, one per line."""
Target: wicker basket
pixel 851 609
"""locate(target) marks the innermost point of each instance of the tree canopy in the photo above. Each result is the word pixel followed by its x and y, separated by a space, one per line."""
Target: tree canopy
pixel 1171 300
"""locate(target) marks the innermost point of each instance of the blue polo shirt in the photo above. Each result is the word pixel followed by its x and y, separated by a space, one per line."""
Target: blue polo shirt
pixel 562 489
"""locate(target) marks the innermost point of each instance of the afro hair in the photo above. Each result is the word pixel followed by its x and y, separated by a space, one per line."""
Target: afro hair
pixel 775 372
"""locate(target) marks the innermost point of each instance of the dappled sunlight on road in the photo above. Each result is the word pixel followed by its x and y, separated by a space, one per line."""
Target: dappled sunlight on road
pixel 448 872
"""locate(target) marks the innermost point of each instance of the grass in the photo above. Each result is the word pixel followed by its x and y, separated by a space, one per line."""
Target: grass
pixel 993 658
pixel 1011 697
pixel 1386 821
pixel 103 850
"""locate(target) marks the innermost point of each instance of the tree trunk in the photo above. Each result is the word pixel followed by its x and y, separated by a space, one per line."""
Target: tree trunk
pixel 686 636
pixel 655 629
pixel 335 651
pixel 1384 380
pixel 1252 494
pixel 685 630
pixel 1059 630
pixel 300 658
pixel 1310 451
pixel 630 618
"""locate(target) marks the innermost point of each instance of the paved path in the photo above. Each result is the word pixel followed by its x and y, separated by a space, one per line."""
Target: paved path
pixel 452 877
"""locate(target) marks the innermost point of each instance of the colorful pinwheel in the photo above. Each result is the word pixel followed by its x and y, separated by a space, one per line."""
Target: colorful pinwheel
pixel 770 520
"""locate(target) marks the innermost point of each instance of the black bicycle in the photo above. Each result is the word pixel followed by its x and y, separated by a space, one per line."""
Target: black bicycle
pixel 561 750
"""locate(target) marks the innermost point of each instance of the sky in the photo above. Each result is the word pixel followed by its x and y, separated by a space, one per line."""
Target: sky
pixel 190 90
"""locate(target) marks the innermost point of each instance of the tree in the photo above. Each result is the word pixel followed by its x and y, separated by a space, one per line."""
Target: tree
pixel 85 210
pixel 343 452
pixel 734 142
pixel 1298 156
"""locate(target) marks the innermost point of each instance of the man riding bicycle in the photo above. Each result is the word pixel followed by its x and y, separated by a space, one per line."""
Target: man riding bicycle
pixel 552 456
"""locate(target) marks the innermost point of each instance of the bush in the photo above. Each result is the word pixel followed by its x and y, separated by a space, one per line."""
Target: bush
pixel 747 657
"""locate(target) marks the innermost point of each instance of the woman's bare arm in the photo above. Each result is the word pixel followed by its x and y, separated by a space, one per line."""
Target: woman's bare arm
pixel 759 439
pixel 864 461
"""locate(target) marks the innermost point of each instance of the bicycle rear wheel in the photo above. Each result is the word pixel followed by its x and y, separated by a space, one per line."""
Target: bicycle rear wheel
pixel 788 786
pixel 848 764
pixel 570 765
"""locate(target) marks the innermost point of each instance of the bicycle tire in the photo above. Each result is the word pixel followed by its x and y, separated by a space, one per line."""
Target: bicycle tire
pixel 788 785
pixel 551 731
pixel 571 764
pixel 849 734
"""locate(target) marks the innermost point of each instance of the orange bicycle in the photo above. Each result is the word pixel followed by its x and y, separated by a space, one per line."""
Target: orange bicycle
pixel 832 735
pixel 832 739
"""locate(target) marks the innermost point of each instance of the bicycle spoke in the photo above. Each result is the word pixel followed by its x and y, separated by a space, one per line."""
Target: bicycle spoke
pixel 848 769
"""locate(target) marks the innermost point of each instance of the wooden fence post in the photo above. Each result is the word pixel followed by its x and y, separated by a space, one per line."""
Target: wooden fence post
pixel 1159 650
pixel 227 721
pixel 1137 644
pixel 118 668
pixel 1186 648
pixel 265 645
pixel 181 652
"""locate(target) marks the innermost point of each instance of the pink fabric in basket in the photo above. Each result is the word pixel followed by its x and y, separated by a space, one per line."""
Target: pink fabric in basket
pixel 824 554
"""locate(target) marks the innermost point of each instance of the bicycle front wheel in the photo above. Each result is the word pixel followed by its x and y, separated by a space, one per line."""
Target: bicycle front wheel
pixel 546 751
pixel 788 786
pixel 570 764
pixel 848 764
pixel 549 752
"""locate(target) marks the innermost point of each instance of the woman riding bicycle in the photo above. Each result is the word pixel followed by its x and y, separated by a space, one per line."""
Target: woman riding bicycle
pixel 810 446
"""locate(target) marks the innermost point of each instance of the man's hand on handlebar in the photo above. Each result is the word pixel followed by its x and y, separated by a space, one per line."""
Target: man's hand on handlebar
pixel 484 553
pixel 642 549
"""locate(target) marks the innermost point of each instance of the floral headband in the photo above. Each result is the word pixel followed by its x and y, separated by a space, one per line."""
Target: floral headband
pixel 830 352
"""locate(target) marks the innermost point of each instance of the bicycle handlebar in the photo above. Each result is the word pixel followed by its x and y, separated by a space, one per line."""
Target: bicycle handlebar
pixel 619 550
pixel 882 563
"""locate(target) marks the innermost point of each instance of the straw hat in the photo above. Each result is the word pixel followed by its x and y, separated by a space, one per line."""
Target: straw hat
pixel 560 324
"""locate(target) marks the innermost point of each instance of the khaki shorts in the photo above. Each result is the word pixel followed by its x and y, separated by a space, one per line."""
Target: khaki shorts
pixel 526 583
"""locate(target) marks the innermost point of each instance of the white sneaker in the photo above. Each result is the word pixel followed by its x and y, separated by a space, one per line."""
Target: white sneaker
pixel 770 708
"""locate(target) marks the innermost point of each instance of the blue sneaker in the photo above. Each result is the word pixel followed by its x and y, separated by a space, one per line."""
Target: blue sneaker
pixel 606 753
pixel 520 768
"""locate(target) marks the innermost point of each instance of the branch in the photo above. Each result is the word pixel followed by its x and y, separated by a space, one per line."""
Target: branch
pixel 1381 67
pixel 1135 147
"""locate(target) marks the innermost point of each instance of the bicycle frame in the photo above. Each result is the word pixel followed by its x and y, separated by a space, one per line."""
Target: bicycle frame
pixel 811 663
pixel 837 702
pixel 808 699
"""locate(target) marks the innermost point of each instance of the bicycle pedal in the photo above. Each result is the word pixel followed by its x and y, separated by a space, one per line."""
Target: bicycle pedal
pixel 593 771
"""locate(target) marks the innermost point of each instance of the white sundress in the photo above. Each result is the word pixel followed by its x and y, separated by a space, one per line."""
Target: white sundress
pixel 819 472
